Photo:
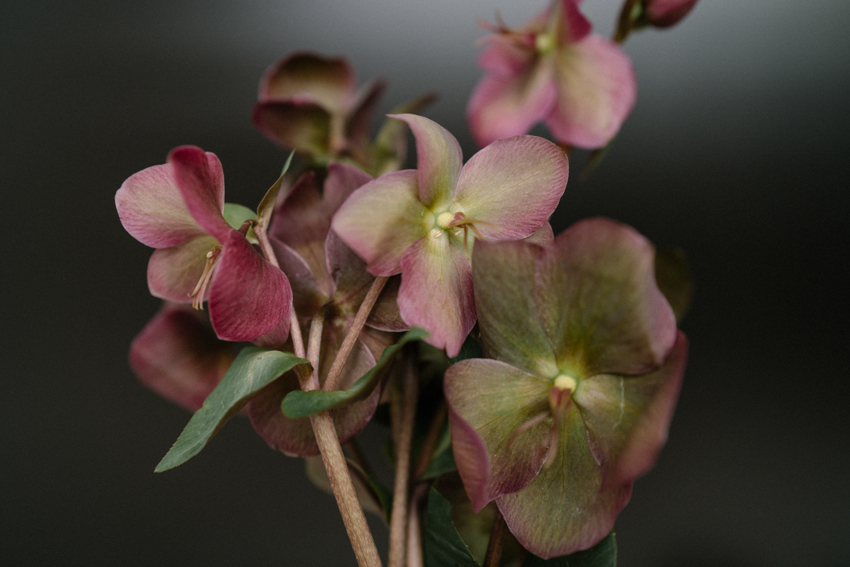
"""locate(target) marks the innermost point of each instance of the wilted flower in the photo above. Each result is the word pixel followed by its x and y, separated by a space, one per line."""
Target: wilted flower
pixel 553 70
pixel 423 223
pixel 177 208
pixel 576 398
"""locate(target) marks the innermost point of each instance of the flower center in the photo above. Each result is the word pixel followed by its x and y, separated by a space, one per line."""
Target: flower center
pixel 200 290
pixel 565 382
pixel 544 43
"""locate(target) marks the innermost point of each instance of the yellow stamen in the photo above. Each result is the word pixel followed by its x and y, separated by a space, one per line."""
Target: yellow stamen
pixel 565 382
pixel 200 290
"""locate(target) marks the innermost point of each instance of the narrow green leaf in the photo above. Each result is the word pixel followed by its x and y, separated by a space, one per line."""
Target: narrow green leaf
pixel 443 546
pixel 264 211
pixel 299 404
pixel 253 369
pixel 603 554
pixel 236 215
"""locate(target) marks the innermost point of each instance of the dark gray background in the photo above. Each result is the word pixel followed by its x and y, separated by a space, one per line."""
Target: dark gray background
pixel 735 151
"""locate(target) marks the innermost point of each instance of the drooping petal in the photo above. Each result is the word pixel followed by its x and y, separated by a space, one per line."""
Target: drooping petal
pixel 308 293
pixel 153 211
pixel 665 13
pixel 300 218
pixel 340 183
pixel 248 296
pixel 565 509
pixel 598 301
pixel 438 161
pixel 174 272
pixel 509 106
pixel 596 91
pixel 436 292
pixel 363 107
pixel 498 438
pixel 513 186
pixel 199 177
pixel 627 417
pixel 328 81
pixel 571 25
pixel 179 357
pixel 381 219
pixel 304 127
pixel 503 277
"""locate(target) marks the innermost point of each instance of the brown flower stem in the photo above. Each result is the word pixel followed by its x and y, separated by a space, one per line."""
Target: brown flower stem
pixel 403 412
pixel 414 529
pixel 354 332
pixel 434 430
pixel 497 541
pixel 625 22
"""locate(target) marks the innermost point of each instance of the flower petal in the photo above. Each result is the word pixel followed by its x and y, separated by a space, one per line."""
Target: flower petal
pixel 381 219
pixel 153 211
pixel 328 81
pixel 489 403
pixel 300 217
pixel 513 186
pixel 438 161
pixel 436 292
pixel 340 183
pixel 308 293
pixel 304 127
pixel 504 58
pixel 565 508
pixel 596 91
pixel 199 177
pixel 572 26
pixel 665 13
pixel 598 302
pixel 360 121
pixel 543 237
pixel 248 296
pixel 503 277
pixel 178 356
pixel 174 272
pixel 627 418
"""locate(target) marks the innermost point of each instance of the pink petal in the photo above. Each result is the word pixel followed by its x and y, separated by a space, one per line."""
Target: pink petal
pixel 501 107
pixel 300 218
pixel 153 211
pixel 174 272
pixel 309 292
pixel 340 183
pixel 572 25
pixel 513 186
pixel 436 292
pixel 596 91
pixel 438 161
pixel 598 302
pixel 360 122
pixel 503 58
pixel 665 13
pixel 489 403
pixel 543 237
pixel 381 219
pixel 328 81
pixel 303 126
pixel 248 296
pixel 199 177
pixel 178 356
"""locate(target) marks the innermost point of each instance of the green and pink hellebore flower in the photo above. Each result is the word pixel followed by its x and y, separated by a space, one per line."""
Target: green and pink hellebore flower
pixel 581 85
pixel 177 208
pixel 575 398
pixel 423 223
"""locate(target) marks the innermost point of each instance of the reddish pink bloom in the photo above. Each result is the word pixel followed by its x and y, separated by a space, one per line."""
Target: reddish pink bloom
pixel 666 13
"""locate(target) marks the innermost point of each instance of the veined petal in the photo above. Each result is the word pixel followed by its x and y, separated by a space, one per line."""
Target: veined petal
pixel 509 106
pixel 153 211
pixel 199 177
pixel 598 301
pixel 248 296
pixel 596 91
pixel 381 219
pixel 503 277
pixel 565 508
pixel 512 185
pixel 438 161
pixel 328 81
pixel 627 417
pixel 304 127
pixel 436 292
pixel 489 403
pixel 174 272
pixel 179 357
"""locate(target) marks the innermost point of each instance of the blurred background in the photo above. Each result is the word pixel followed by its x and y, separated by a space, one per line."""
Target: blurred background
pixel 736 151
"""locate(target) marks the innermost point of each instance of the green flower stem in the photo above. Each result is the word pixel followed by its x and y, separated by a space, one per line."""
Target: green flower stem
pixel 497 541
pixel 354 332
pixel 403 412
pixel 626 22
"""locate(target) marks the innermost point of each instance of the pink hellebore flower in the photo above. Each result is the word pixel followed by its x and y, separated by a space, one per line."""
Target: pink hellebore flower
pixel 177 208
pixel 666 13
pixel 574 402
pixel 422 223
pixel 553 70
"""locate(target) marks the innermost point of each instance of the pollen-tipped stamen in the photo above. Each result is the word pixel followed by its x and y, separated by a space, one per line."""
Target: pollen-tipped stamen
pixel 200 290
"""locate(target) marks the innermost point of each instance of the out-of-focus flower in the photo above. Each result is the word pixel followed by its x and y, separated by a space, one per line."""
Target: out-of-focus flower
pixel 423 223
pixel 581 85
pixel 666 13
pixel 575 400
pixel 177 208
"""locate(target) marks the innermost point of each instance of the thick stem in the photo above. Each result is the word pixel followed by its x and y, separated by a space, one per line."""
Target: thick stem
pixel 414 529
pixel 354 332
pixel 403 410
pixel 497 541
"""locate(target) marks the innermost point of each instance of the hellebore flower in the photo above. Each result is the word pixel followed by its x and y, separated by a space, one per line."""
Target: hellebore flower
pixel 177 208
pixel 553 70
pixel 325 275
pixel 423 223
pixel 666 13
pixel 585 366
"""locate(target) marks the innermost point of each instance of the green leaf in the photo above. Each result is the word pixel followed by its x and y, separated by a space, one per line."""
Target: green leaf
pixel 443 546
pixel 264 211
pixel 298 404
pixel 253 369
pixel 236 215
pixel 603 554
